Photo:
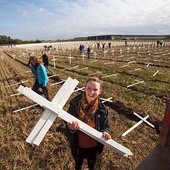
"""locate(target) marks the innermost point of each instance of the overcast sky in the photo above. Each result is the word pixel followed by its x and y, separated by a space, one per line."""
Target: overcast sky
pixel 64 19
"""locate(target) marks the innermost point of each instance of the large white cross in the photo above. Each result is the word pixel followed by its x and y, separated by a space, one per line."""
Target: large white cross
pixel 54 109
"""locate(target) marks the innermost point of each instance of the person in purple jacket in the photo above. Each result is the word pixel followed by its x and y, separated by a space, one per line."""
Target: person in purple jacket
pixel 40 76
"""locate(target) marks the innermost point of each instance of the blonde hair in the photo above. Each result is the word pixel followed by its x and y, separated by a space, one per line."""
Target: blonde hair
pixel 37 59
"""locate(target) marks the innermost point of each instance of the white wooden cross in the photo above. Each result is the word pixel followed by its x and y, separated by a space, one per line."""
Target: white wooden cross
pixel 137 124
pixel 138 82
pixel 83 55
pixel 143 120
pixel 24 108
pixel 70 57
pixel 110 75
pixel 155 73
pixel 79 89
pixel 130 62
pixel 21 82
pixel 54 59
pixel 56 83
pixel 53 75
pixel 94 55
pixel 148 64
pixel 109 62
pixel 107 100
pixel 15 94
pixel 48 117
pixel 54 109
pixel 137 69
pixel 104 53
pixel 75 67
pixel 126 65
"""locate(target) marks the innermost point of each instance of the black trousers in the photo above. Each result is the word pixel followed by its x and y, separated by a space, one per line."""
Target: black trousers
pixel 91 154
pixel 36 87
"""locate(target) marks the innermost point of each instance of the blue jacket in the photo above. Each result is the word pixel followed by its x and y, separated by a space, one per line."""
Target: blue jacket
pixel 101 120
pixel 42 75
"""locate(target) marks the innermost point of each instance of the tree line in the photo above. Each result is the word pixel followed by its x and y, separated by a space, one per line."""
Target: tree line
pixel 6 40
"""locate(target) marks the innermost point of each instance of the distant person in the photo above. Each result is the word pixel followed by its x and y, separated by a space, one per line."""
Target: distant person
pixel 29 64
pixel 88 52
pixel 126 43
pixel 40 77
pixel 46 62
pixel 88 108
pixel 103 46
pixel 29 59
pixel 161 43
pixel 98 45
pixel 45 47
pixel 81 48
pixel 109 44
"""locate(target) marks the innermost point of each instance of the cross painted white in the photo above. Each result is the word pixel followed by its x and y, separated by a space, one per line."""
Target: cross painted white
pixel 54 60
pixel 54 109
pixel 83 55
pixel 24 108
pixel 70 57
pixel 137 124
pixel 107 100
pixel 48 117
pixel 143 119
pixel 155 73
pixel 138 82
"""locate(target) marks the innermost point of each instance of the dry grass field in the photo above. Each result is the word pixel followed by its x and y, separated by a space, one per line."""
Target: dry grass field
pixel 136 77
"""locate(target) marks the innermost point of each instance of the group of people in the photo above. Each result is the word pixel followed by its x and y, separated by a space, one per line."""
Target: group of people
pixel 83 50
pixel 87 107
pixel 39 67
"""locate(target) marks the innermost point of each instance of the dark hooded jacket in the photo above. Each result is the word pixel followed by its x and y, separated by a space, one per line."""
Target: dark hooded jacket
pixel 45 59
pixel 101 121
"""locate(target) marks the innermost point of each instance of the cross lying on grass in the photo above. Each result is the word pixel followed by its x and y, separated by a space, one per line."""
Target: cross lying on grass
pixel 24 108
pixel 137 124
pixel 54 109
pixel 138 82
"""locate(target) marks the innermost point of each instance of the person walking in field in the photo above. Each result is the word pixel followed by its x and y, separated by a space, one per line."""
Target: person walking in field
pixel 40 77
pixel 88 108
pixel 31 56
pixel 88 51
pixel 46 62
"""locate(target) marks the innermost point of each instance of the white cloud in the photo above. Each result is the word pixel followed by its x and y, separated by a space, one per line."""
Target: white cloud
pixel 67 19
